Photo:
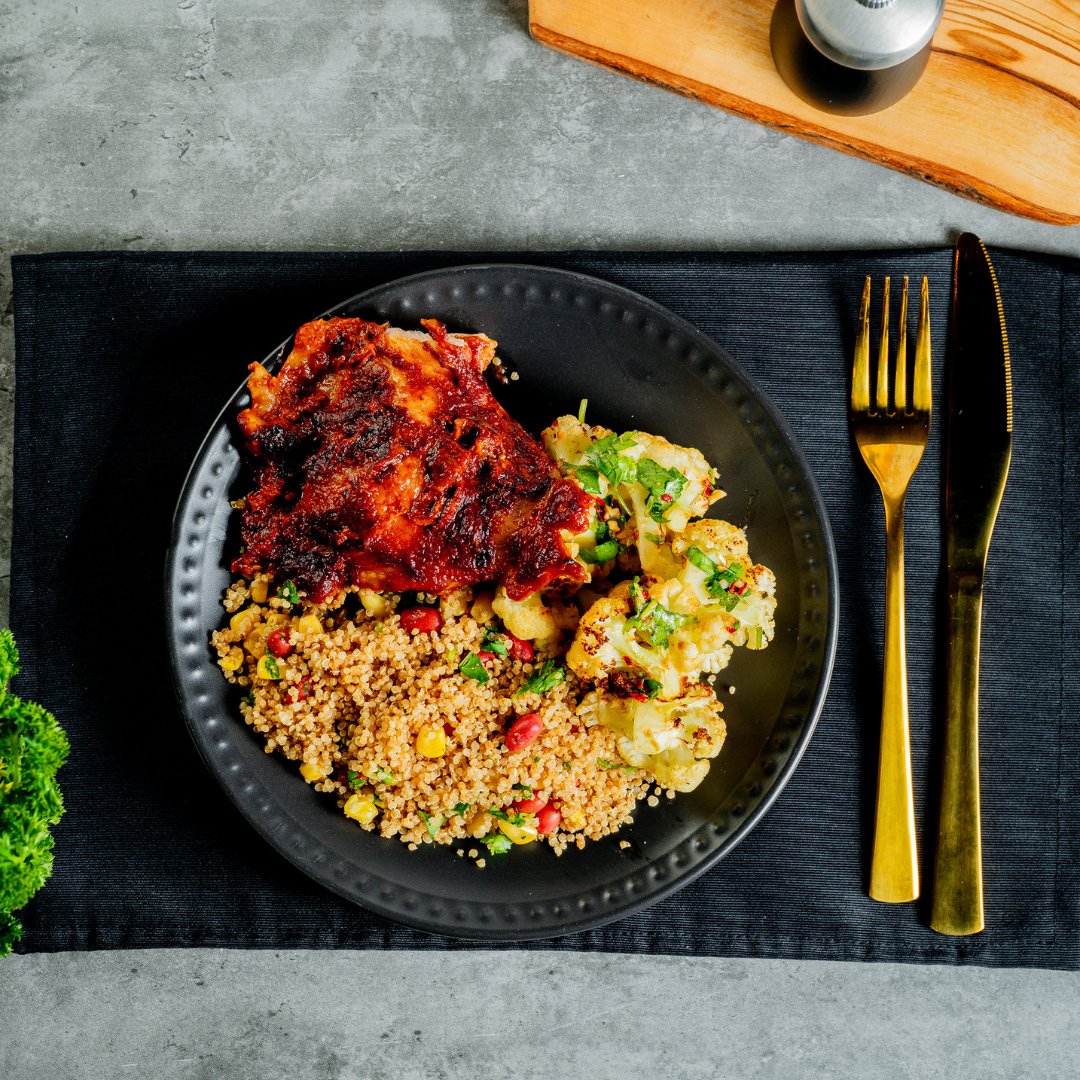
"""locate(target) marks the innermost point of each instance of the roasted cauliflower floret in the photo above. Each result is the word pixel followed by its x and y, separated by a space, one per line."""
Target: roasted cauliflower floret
pixel 655 485
pixel 718 583
pixel 671 740
pixel 535 618
pixel 609 642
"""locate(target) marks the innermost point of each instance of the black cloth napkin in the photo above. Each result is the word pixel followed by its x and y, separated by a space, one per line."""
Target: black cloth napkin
pixel 124 359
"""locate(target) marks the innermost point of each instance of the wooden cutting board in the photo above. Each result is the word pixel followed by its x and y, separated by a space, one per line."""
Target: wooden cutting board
pixel 996 116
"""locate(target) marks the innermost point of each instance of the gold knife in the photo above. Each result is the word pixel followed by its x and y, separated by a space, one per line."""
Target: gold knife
pixel 978 448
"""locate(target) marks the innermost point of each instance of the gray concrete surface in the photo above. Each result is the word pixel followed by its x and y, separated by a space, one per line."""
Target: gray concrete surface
pixel 439 123
pixel 208 1014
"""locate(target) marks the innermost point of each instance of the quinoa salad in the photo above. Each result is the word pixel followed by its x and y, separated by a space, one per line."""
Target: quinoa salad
pixel 480 721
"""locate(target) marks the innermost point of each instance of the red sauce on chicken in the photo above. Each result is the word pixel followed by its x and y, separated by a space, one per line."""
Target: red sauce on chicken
pixel 382 459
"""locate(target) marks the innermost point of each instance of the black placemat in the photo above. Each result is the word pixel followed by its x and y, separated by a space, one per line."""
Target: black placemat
pixel 122 362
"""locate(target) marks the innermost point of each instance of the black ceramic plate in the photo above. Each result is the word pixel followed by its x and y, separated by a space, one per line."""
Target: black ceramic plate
pixel 569 336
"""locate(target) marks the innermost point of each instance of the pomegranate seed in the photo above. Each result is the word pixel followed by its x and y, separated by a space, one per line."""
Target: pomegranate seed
pixel 521 650
pixel 524 730
pixel 277 641
pixel 425 619
pixel 548 820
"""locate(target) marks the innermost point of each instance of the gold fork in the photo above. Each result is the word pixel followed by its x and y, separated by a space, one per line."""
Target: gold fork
pixel 892 438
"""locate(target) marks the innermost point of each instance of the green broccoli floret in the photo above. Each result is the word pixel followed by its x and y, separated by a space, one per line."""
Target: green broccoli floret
pixel 33 746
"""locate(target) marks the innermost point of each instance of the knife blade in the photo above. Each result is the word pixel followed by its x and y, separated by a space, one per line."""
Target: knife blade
pixel 979 421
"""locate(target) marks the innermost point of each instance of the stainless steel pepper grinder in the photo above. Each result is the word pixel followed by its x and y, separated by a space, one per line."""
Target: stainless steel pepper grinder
pixel 853 56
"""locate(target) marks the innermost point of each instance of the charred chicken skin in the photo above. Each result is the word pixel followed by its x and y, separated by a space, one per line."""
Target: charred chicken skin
pixel 381 459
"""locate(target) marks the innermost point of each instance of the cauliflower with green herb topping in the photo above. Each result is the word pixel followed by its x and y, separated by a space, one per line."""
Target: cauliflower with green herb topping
pixel 648 487
pixel 673 741
pixel 697 595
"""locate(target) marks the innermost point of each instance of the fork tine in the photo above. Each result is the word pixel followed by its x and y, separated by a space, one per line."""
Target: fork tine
pixel 922 391
pixel 882 400
pixel 860 372
pixel 900 388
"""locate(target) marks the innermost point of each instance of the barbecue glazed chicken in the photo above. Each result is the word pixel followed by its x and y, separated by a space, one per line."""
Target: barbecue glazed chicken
pixel 382 460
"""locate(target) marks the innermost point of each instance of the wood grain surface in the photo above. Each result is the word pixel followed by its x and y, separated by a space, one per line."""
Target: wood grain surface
pixel 996 116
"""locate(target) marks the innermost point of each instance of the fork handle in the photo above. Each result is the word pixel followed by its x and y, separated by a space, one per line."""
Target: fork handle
pixel 957 906
pixel 894 869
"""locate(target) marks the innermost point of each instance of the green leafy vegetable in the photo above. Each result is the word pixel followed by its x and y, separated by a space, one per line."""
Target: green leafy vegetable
pixel 356 781
pixel 32 748
pixel 460 808
pixel 588 477
pixel 604 455
pixel 473 668
pixel 430 823
pixel 657 624
pixel 510 819
pixel 663 485
pixel 288 593
pixel 581 410
pixel 652 687
pixel 549 676
pixel 615 765
pixel 497 843
pixel 523 787
pixel 719 580
pixel 248 699
pixel 654 623
pixel 381 776
pixel 494 644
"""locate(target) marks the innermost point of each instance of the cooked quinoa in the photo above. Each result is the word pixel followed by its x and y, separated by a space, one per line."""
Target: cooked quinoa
pixel 358 693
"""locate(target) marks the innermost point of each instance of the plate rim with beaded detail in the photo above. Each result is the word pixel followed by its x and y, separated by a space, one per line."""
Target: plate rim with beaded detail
pixel 568 335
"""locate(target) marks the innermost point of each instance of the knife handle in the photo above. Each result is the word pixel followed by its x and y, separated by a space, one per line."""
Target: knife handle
pixel 894 867
pixel 957 906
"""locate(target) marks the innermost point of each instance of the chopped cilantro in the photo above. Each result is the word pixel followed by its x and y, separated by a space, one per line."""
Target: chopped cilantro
pixel 605 456
pixel 663 485
pixel 652 687
pixel 497 843
pixel 381 776
pixel 654 538
pixel 288 593
pixel 718 579
pixel 655 623
pixel 472 667
pixel 460 809
pixel 602 532
pixel 551 673
pixel 429 823
pixel 523 787
pixel 581 410
pixel 602 553
pixel 567 766
pixel 493 644
pixel 248 699
pixel 510 819
pixel 637 595
pixel 356 781
pixel 615 765
pixel 588 477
